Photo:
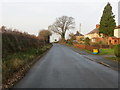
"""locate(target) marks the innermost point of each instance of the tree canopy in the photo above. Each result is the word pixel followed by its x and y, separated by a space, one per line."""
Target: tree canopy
pixel 44 35
pixel 61 25
pixel 107 22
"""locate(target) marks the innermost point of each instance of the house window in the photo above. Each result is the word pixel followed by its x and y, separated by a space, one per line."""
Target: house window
pixel 115 41
pixel 109 41
pixel 93 40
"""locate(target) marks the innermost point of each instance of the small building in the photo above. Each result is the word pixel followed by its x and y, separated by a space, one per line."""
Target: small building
pixel 95 37
pixel 116 39
pixel 78 36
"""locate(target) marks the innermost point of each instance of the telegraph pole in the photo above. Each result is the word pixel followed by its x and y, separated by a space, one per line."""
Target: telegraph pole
pixel 80 28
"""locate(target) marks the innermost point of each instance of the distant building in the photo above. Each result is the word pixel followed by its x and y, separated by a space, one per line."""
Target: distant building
pixel 115 40
pixel 54 38
pixel 95 37
pixel 78 36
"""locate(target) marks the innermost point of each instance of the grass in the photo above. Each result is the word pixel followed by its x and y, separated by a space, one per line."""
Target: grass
pixel 102 52
pixel 113 58
pixel 106 52
pixel 87 51
pixel 13 63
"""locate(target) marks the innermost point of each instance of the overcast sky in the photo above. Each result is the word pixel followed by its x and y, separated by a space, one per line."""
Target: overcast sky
pixel 34 15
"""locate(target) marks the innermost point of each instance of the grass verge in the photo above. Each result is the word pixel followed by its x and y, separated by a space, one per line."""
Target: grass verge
pixel 15 66
pixel 113 58
pixel 106 52
pixel 109 53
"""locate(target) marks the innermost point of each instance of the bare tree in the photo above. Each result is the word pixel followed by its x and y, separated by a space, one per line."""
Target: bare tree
pixel 61 25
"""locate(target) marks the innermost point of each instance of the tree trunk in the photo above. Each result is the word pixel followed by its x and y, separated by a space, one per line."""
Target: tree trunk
pixel 63 36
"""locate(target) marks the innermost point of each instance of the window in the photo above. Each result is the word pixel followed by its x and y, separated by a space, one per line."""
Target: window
pixel 110 41
pixel 115 41
pixel 94 40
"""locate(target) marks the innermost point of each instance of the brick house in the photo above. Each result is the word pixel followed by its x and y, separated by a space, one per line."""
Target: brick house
pixel 94 33
pixel 95 37
pixel 116 39
pixel 113 40
pixel 98 39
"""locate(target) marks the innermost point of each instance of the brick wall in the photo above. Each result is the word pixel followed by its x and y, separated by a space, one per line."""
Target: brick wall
pixel 90 48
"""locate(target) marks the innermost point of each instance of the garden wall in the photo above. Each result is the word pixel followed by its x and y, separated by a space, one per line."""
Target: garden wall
pixel 90 48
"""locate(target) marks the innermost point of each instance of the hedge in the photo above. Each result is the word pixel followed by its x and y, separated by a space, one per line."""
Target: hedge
pixel 13 42
pixel 117 50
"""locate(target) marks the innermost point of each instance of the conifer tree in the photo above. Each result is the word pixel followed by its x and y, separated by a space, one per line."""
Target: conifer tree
pixel 107 22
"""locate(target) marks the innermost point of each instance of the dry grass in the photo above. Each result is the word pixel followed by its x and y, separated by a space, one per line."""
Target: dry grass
pixel 14 63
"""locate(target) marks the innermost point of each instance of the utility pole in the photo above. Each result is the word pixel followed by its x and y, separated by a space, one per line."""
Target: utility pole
pixel 80 28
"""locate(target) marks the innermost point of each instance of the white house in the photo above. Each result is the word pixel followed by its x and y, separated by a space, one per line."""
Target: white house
pixel 117 32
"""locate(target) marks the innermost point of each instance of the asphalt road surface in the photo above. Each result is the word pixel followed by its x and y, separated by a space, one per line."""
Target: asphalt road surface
pixel 61 67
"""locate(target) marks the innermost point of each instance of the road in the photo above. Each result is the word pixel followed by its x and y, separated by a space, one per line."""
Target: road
pixel 61 67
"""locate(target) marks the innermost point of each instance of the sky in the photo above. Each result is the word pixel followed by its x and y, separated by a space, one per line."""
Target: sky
pixel 119 13
pixel 34 15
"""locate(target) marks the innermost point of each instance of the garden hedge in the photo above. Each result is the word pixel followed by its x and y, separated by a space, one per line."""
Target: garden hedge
pixel 117 50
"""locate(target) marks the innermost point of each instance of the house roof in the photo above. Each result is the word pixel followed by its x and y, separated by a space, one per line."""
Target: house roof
pixel 78 34
pixel 96 30
pixel 118 27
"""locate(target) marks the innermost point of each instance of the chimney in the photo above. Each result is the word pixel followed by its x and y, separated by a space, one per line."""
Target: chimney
pixel 97 26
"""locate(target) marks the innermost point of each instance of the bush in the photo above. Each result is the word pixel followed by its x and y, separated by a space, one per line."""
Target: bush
pixel 69 41
pixel 13 63
pixel 117 50
pixel 18 50
pixel 87 41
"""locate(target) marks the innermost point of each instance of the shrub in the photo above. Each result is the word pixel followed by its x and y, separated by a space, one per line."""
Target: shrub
pixel 13 63
pixel 87 41
pixel 117 50
pixel 69 41
pixel 18 50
